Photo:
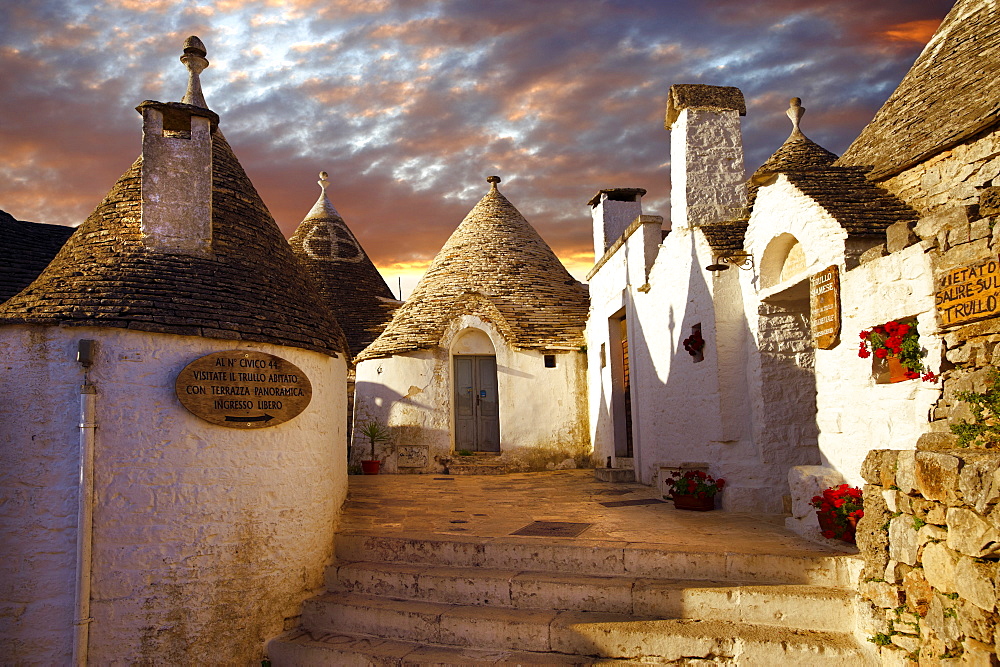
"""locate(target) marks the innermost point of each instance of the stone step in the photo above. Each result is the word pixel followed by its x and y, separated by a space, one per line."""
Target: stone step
pixel 597 557
pixel 614 474
pixel 302 649
pixel 798 606
pixel 601 634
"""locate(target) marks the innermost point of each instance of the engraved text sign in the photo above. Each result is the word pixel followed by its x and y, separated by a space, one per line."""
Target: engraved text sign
pixel 824 307
pixel 243 389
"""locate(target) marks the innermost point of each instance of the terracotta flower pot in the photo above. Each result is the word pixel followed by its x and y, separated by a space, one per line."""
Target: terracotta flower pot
pixel 828 523
pixel 370 467
pixel 897 372
pixel 694 503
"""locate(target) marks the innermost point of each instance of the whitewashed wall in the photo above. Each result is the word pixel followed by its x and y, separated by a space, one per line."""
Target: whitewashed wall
pixel 682 411
pixel 206 539
pixel 853 414
pixel 543 412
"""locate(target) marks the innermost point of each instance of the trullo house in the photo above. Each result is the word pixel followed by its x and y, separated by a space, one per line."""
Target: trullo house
pixel 172 451
pixel 486 356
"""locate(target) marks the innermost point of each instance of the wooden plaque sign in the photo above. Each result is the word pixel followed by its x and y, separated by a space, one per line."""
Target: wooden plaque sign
pixel 243 389
pixel 824 307
pixel 969 293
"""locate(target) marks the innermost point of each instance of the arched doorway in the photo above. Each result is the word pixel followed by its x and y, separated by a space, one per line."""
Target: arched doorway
pixel 475 393
pixel 788 433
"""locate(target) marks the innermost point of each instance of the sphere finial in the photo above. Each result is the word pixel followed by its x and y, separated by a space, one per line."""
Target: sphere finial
pixel 493 180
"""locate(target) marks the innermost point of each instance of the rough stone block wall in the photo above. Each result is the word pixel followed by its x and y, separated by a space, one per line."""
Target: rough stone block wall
pixel 931 541
pixel 931 531
pixel 950 178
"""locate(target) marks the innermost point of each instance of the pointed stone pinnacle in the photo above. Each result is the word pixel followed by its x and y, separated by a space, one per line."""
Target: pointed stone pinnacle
pixel 196 62
pixel 795 112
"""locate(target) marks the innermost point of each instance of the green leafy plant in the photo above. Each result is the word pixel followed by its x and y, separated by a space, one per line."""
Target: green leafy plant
pixel 880 639
pixel 376 432
pixel 984 431
pixel 464 452
pixel 918 523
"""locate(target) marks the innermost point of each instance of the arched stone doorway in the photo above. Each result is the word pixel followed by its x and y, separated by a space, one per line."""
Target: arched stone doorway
pixel 475 395
pixel 788 433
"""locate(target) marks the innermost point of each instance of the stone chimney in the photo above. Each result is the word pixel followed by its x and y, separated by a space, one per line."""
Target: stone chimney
pixel 706 154
pixel 613 210
pixel 177 166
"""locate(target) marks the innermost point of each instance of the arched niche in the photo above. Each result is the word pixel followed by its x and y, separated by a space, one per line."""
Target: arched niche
pixel 472 341
pixel 784 258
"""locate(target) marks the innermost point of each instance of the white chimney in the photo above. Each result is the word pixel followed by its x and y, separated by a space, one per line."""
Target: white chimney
pixel 707 180
pixel 613 210
pixel 177 166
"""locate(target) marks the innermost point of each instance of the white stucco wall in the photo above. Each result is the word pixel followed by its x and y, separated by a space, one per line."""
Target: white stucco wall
pixel 706 172
pixel 543 413
pixel 682 411
pixel 206 539
pixel 853 414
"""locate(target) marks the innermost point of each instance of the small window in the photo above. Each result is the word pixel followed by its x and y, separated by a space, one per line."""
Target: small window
pixel 550 361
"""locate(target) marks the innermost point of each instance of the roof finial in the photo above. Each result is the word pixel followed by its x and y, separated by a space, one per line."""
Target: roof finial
pixel 494 180
pixel 323 209
pixel 795 113
pixel 195 61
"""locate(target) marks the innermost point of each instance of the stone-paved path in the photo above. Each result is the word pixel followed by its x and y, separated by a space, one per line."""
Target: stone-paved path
pixel 498 505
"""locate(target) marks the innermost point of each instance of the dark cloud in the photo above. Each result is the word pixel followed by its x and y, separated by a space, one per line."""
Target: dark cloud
pixel 411 104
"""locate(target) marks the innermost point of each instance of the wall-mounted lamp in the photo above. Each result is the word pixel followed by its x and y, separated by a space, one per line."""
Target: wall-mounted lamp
pixel 740 258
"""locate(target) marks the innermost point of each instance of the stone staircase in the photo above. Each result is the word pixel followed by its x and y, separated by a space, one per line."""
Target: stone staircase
pixel 412 599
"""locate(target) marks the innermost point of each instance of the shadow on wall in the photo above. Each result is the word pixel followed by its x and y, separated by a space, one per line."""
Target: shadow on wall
pixel 708 410
pixel 382 404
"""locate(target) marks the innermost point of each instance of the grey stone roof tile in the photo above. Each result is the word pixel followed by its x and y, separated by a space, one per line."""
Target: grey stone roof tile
pixel 951 94
pixel 26 248
pixel 496 266
pixel 106 276
pixel 346 278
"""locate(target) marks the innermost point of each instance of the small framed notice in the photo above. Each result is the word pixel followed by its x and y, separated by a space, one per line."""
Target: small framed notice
pixel 824 307
pixel 243 389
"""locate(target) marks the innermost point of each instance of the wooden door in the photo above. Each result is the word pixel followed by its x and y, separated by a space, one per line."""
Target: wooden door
pixel 477 405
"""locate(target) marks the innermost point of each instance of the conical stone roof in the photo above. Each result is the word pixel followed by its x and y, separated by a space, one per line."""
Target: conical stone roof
pixel 346 278
pixel 26 248
pixel 948 97
pixel 861 207
pixel 496 266
pixel 249 287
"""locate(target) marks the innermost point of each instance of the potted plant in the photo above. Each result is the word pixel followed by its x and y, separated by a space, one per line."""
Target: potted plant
pixel 376 432
pixel 695 490
pixel 898 344
pixel 838 511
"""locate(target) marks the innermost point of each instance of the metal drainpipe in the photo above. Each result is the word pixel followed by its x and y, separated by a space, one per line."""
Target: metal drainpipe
pixel 85 513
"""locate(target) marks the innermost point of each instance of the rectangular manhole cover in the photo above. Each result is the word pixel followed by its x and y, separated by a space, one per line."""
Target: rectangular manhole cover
pixel 553 529
pixel 626 503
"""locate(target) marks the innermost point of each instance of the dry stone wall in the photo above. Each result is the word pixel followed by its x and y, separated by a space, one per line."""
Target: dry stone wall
pixel 931 540
pixel 931 532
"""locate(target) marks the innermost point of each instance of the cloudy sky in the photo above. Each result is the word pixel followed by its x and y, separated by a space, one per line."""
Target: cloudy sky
pixel 411 104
